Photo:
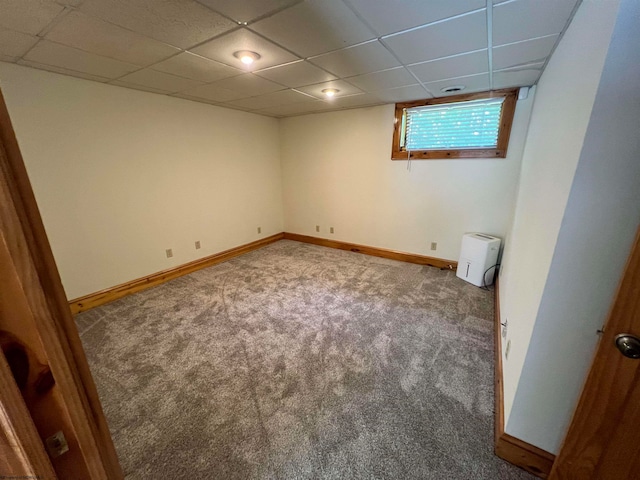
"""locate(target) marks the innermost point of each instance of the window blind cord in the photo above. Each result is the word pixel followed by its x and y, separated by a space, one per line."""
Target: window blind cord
pixel 409 160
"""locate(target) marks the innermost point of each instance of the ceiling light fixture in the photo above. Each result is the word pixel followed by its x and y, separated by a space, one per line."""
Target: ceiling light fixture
pixel 246 56
pixel 453 89
pixel 330 92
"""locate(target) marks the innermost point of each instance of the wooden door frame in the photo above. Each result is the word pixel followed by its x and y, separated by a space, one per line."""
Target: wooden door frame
pixel 41 283
pixel 587 440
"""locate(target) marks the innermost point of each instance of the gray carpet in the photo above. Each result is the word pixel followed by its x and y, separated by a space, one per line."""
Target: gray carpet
pixel 297 362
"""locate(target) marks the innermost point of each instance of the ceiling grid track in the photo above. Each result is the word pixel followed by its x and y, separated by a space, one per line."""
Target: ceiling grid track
pixel 370 52
pixel 490 41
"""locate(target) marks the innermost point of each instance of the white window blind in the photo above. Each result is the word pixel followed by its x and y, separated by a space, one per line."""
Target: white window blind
pixel 471 124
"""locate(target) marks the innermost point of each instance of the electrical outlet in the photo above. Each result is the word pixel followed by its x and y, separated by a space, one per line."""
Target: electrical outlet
pixel 198 245
pixel 331 230
pixel 317 228
pixel 434 245
pixel 259 229
pixel 169 253
pixel 507 350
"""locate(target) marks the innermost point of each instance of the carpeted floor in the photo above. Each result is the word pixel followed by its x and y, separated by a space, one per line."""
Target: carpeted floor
pixel 300 362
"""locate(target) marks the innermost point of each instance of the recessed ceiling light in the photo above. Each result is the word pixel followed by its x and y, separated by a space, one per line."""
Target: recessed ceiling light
pixel 330 92
pixel 247 57
pixel 453 89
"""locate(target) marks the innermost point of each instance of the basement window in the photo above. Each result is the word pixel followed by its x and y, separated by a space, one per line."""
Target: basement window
pixel 475 125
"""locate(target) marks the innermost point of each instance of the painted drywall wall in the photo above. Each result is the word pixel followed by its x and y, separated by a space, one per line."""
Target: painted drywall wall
pixel 121 175
pixel 594 242
pixel 559 120
pixel 337 172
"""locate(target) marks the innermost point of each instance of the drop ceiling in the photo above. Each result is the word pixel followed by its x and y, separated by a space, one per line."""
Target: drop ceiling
pixel 372 51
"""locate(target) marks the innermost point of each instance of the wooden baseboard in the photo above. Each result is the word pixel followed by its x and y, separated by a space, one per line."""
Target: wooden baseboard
pixel 522 454
pixel 374 251
pixel 110 294
pixel 92 300
pixel 497 369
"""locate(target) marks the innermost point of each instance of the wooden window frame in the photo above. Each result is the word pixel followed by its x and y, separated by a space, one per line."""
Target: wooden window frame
pixel 510 96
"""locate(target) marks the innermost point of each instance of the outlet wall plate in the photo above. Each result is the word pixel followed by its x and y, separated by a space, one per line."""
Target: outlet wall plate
pixel 169 253
pixel 434 245
pixel 198 245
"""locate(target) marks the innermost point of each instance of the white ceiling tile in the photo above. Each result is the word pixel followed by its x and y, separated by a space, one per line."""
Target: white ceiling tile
pixel 391 16
pixel 223 48
pixel 14 44
pixel 392 78
pixel 472 83
pixel 249 85
pixel 54 54
pixel 213 92
pixel 246 10
pixel 351 101
pixel 458 35
pixel 451 67
pixel 283 97
pixel 63 71
pixel 110 38
pixel 314 27
pixel 134 86
pixel 517 77
pixel 160 81
pixel 28 16
pixel 364 58
pixel 529 51
pixel 543 17
pixel 97 36
pixel 343 87
pixel 403 94
pixel 296 74
pixel 193 66
pixel 294 109
pixel 182 23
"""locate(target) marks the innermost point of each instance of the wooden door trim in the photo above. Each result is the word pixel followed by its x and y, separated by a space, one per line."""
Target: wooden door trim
pixel 21 435
pixel 518 452
pixel 585 443
pixel 54 322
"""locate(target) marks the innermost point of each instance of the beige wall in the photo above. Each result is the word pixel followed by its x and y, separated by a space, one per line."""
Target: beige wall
pixel 559 120
pixel 121 175
pixel 337 172
pixel 117 186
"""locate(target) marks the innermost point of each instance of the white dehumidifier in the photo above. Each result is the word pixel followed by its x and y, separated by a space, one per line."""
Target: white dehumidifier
pixel 478 255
